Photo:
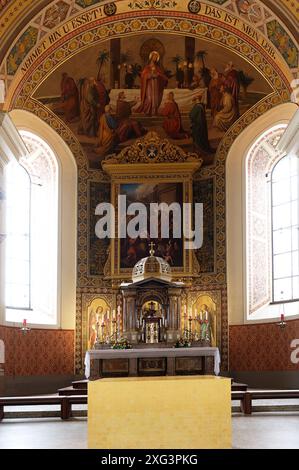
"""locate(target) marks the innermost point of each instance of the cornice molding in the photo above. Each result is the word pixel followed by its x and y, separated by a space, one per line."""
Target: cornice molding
pixel 11 144
pixel 289 142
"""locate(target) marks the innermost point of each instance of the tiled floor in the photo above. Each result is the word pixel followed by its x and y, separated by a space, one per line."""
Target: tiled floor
pixel 261 431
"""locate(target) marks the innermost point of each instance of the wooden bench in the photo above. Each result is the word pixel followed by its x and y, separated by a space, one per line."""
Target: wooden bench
pixel 64 402
pixel 246 398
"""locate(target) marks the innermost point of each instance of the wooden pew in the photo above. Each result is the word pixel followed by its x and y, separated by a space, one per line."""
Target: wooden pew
pixel 246 398
pixel 64 402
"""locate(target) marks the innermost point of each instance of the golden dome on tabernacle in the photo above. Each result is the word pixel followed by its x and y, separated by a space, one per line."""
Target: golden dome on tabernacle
pixel 152 267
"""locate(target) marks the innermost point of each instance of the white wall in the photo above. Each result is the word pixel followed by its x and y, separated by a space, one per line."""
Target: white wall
pixel 236 207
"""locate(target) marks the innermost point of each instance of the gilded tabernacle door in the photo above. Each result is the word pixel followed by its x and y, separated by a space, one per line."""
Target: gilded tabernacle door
pixel 151 171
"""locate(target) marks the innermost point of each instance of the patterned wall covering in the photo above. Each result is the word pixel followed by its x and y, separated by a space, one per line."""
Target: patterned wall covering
pixel 263 347
pixel 98 193
pixel 203 193
pixel 40 352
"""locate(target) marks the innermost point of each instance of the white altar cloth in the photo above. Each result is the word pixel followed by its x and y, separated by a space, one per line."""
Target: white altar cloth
pixel 183 97
pixel 157 352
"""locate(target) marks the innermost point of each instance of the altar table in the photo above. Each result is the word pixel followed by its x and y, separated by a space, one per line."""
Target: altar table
pixel 191 412
pixel 170 354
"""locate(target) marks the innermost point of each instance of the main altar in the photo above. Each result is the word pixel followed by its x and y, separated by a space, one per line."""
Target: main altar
pixel 157 338
pixel 155 320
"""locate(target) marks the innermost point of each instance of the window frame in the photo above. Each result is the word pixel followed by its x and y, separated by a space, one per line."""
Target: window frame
pixel 29 308
pixel 294 299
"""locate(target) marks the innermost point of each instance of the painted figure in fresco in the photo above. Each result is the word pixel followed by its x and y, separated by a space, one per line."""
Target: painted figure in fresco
pixel 128 128
pixel 243 6
pixel 199 126
pixel 153 83
pixel 93 99
pixel 225 118
pixel 92 330
pixel 88 108
pixel 206 325
pixel 217 80
pixel 69 98
pixel 106 132
pixel 129 78
pixel 102 96
pixel 172 119
pixel 232 82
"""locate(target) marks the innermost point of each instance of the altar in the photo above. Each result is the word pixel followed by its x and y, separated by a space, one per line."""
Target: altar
pixel 151 361
pixel 153 323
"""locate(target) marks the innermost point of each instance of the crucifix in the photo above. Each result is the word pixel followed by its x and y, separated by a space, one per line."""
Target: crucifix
pixel 152 249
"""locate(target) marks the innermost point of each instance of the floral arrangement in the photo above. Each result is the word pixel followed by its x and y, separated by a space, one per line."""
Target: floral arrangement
pixel 183 343
pixel 121 344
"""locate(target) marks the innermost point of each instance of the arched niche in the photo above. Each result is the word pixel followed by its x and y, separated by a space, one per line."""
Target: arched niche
pixel 98 312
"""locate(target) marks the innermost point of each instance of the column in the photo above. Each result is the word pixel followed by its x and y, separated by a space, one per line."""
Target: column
pixel 130 316
pixel 115 49
pixel 174 306
pixel 189 54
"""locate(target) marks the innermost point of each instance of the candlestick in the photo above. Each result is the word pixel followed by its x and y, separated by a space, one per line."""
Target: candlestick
pixel 24 328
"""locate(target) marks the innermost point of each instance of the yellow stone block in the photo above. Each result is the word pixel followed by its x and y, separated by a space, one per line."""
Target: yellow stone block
pixel 191 412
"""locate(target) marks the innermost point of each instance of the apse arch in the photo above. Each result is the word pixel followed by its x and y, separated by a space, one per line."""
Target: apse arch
pixel 68 39
pixel 236 218
pixel 67 213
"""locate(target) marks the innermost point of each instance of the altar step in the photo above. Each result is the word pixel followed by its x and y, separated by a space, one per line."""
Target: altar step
pixel 79 387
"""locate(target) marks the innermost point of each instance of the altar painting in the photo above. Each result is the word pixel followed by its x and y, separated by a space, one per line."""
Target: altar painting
pixel 171 249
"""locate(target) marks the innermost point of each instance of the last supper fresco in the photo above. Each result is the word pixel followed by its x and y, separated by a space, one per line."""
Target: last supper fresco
pixel 188 90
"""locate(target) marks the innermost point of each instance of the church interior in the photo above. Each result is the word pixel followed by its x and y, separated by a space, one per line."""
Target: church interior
pixel 183 112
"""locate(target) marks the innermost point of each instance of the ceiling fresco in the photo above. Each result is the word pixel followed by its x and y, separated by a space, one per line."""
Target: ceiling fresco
pixel 191 100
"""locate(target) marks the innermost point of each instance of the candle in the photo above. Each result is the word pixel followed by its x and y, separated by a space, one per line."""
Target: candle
pixel 118 310
pixel 282 317
pixel 108 314
pixel 24 322
pixel 114 315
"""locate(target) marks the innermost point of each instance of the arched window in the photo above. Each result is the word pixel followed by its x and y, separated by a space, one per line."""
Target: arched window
pixel 285 229
pixel 272 211
pixel 32 234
